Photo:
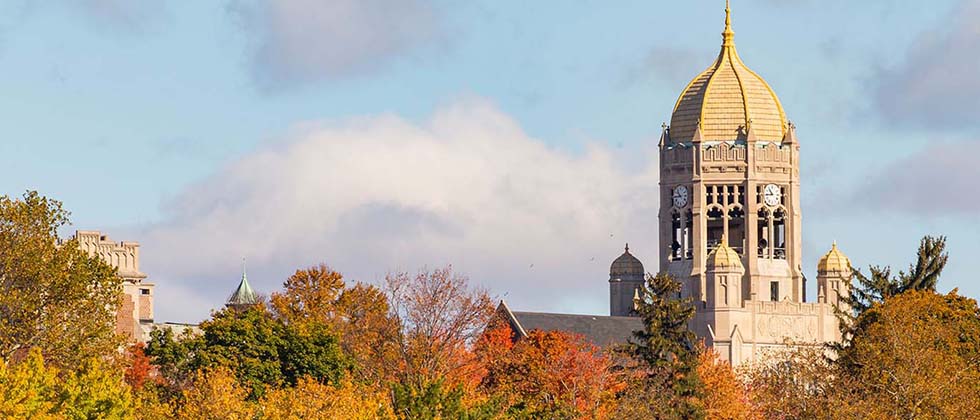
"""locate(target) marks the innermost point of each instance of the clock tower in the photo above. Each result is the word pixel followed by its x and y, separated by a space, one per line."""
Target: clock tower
pixel 729 216
pixel 729 168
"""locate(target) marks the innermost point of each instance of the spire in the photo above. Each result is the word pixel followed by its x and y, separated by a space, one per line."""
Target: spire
pixel 663 135
pixel 627 247
pixel 790 137
pixel 243 295
pixel 728 35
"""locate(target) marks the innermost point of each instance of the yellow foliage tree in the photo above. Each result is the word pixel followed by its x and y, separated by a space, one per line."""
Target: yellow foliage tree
pixel 916 355
pixel 96 391
pixel 28 390
pixel 215 395
pixel 311 400
pixel 31 390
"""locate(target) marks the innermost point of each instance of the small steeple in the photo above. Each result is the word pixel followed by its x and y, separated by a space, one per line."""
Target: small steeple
pixel 244 295
pixel 728 35
pixel 790 137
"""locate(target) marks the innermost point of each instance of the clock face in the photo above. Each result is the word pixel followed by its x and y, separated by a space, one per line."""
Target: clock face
pixel 680 196
pixel 772 195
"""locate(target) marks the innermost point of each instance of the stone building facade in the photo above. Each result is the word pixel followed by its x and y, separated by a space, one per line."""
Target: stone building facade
pixel 730 218
pixel 134 317
pixel 729 225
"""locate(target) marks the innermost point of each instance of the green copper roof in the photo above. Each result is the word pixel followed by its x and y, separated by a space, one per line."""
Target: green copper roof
pixel 243 295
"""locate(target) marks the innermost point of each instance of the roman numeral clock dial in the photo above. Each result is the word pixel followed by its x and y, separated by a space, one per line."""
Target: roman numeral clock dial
pixel 680 196
pixel 772 195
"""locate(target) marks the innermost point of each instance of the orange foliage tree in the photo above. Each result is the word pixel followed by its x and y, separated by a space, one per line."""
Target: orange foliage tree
pixel 358 314
pixel 725 397
pixel 138 369
pixel 548 374
pixel 439 316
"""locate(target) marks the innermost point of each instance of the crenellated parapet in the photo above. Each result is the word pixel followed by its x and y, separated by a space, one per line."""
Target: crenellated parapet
pixel 134 315
pixel 723 157
pixel 122 255
pixel 771 158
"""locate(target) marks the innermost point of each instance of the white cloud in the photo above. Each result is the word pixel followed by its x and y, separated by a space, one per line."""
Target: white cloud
pixel 937 180
pixel 298 41
pixel 379 194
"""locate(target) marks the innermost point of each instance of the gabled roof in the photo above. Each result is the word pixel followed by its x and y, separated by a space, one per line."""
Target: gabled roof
pixel 603 331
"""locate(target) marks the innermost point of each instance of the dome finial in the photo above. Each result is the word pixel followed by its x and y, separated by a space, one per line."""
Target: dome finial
pixel 728 35
pixel 627 247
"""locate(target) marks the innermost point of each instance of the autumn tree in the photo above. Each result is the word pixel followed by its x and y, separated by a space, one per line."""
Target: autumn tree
pixel 548 374
pixel 666 353
pixel 96 391
pixel 53 296
pixel 439 316
pixel 915 355
pixel 794 383
pixel 724 397
pixel 215 395
pixel 314 400
pixel 358 315
pixel 138 366
pixel 31 389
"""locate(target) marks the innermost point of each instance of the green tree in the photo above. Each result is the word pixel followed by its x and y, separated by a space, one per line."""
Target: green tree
pixel 258 348
pixel 921 275
pixel 666 352
pixel 359 315
pixel 924 274
pixel 53 296
pixel 434 400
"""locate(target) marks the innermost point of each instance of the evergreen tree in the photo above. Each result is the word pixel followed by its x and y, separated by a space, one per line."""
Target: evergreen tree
pixel 666 349
pixel 881 285
pixel 922 275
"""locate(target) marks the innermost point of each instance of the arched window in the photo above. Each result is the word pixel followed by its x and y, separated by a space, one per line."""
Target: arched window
pixel 762 234
pixel 688 240
pixel 736 229
pixel 676 237
pixel 716 226
pixel 779 234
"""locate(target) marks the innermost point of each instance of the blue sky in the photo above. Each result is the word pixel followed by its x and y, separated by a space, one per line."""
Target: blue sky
pixel 513 140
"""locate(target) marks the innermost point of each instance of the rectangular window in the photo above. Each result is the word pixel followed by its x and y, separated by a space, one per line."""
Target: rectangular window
pixel 144 291
pixel 774 291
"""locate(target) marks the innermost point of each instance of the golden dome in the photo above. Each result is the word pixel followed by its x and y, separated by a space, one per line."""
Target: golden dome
pixel 834 261
pixel 726 99
pixel 724 256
